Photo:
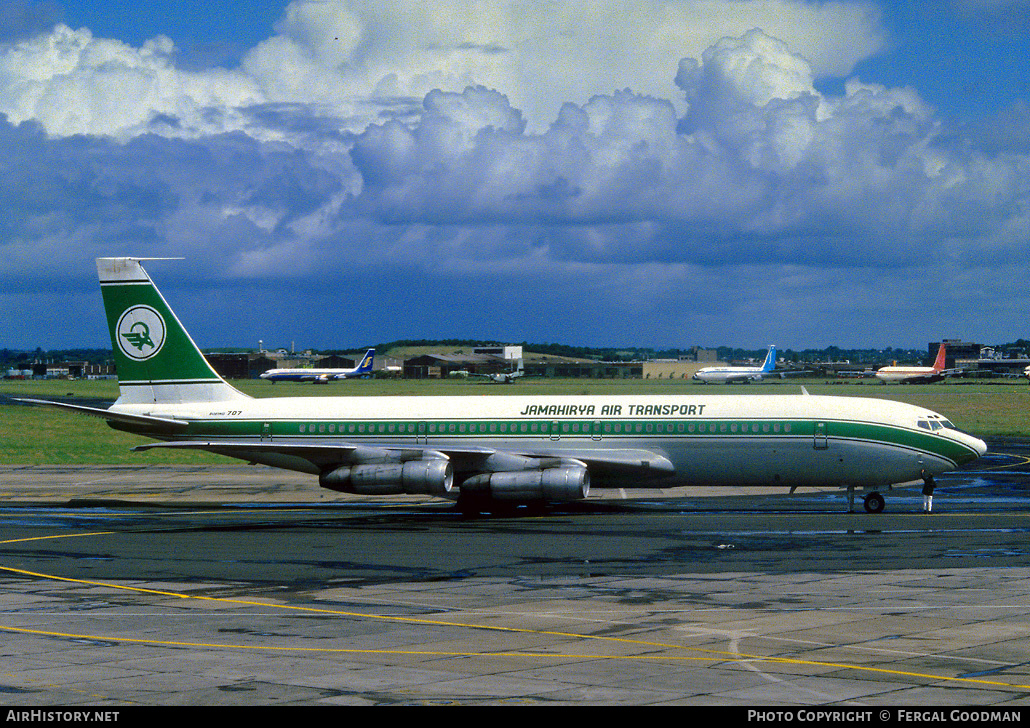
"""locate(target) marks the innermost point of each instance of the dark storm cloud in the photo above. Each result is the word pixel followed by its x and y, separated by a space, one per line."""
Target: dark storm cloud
pixel 762 196
pixel 69 199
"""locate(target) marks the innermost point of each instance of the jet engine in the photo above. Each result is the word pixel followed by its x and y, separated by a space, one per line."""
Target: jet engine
pixel 557 484
pixel 414 477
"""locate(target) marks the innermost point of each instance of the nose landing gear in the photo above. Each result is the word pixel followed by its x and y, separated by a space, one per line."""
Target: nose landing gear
pixel 874 503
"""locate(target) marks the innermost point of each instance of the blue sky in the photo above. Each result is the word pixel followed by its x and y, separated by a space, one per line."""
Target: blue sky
pixel 663 173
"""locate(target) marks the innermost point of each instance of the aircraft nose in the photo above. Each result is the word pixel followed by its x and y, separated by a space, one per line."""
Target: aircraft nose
pixel 976 444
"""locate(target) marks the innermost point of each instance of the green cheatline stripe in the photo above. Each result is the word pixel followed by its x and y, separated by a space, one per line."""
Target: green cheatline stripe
pixel 165 382
pixel 297 428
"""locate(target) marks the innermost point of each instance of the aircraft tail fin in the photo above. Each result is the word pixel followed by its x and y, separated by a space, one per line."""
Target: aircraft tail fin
pixel 770 360
pixel 366 362
pixel 157 360
pixel 938 365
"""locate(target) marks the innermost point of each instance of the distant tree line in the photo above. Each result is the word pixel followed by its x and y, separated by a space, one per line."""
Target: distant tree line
pixel 20 358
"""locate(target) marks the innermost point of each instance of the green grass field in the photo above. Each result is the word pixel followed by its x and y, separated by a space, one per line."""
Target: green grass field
pixel 41 436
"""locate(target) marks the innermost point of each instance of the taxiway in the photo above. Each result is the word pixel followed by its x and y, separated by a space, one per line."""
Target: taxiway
pixel 246 586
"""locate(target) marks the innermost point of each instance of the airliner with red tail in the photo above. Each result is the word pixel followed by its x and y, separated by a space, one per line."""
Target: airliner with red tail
pixel 917 375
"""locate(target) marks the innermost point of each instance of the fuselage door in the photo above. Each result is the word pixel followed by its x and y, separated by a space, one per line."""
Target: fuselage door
pixel 595 430
pixel 819 437
pixel 555 430
pixel 421 437
pixel 266 432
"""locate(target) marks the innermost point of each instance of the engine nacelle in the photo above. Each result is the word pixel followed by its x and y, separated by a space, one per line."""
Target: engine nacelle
pixel 557 484
pixel 414 477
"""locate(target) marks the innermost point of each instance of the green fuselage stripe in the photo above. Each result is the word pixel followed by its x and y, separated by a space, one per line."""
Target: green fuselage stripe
pixel 425 431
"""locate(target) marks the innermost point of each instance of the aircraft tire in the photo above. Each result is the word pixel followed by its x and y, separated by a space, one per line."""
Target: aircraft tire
pixel 874 503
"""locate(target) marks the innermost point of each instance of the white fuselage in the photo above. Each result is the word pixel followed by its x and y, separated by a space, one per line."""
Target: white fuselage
pixel 902 374
pixel 306 375
pixel 715 375
pixel 790 440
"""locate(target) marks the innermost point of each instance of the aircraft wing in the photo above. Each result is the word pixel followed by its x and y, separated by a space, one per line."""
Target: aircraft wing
pixel 743 377
pixel 931 378
pixel 604 462
pixel 784 373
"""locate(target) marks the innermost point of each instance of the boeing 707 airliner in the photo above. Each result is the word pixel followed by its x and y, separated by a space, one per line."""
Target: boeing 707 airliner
pixel 487 452
pixel 321 376
pixel 729 375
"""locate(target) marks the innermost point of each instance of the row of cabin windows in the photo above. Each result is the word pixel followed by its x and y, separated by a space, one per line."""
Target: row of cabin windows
pixel 546 427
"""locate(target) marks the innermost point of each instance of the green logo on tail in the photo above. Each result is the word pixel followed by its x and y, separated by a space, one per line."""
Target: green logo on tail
pixel 141 332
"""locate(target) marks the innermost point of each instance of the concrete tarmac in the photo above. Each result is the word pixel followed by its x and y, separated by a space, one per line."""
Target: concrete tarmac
pixel 238 585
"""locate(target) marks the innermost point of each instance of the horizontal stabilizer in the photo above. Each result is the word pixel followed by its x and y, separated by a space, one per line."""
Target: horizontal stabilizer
pixel 145 420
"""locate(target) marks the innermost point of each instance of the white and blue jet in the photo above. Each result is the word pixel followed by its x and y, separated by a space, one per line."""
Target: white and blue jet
pixel 729 375
pixel 321 376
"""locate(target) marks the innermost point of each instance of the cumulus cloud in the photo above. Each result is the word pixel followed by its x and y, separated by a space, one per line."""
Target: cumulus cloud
pixel 759 160
pixel 676 157
pixel 356 60
pixel 73 83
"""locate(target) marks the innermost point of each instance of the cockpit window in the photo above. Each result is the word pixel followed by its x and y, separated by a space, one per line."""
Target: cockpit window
pixel 936 424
